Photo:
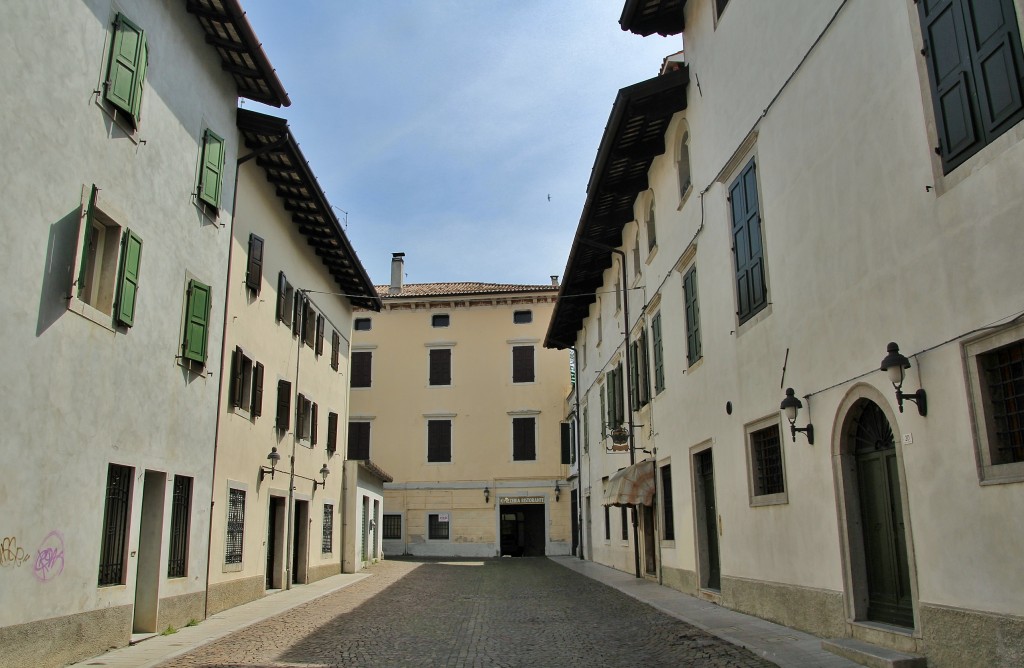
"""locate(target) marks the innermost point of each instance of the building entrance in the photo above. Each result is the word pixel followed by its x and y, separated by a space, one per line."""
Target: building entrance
pixel 522 530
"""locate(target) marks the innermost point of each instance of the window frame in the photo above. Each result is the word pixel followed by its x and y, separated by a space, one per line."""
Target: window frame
pixel 284 405
pixel 332 433
pixel 245 387
pixel 385 525
pixel 179 530
pixel 362 324
pixel 650 226
pixel 254 263
pixel 285 300
pixel 758 494
pixel 659 354
pixel 668 526
pixel 113 560
pixel 430 526
pixel 196 324
pixel 683 157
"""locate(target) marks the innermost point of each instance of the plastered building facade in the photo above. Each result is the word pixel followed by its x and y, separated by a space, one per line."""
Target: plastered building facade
pixel 839 176
pixel 455 397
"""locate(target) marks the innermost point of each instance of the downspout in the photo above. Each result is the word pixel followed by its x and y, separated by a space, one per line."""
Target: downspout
pixel 289 537
pixel 579 453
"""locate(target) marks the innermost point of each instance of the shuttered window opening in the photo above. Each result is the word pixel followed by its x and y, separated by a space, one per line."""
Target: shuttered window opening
pixel 659 354
pixel 766 456
pixel 438 529
pixel 585 428
pixel 748 247
pixel 211 170
pixel 440 320
pixel 652 232
pixel 320 326
pixel 254 268
pixel 522 364
pixel 363 324
pixel 181 514
pixel 236 527
pixel 335 349
pixel 694 349
pixel 392 527
pixel 524 439
pixel 197 322
pixel 362 362
pixel 327 540
pixel 624 523
pixel 246 387
pixel 310 324
pixel 440 366
pixel 284 403
pixel 668 526
pixel 128 280
pixel 439 441
pixel 285 299
pixel 298 313
pixel 640 388
pixel 615 404
pixel 522 317
pixel 306 419
pixel 358 440
pixel 126 70
pixel 975 70
pixel 117 504
pixel 566 433
pixel 332 433
pixel 607 523
pixel 1003 382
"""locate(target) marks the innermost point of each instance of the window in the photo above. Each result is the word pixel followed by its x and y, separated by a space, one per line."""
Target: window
pixel 974 59
pixel 683 165
pixel 636 255
pixel 310 320
pixel 694 349
pixel 362 361
pixel 522 317
pixel 522 364
pixel 605 416
pixel 613 382
pixel 254 269
pixel 197 322
pixel 108 270
pixel 659 354
pixel 305 419
pixel 439 441
pixel 363 324
pixel 607 523
pixel 332 433
pixel 566 433
pixel 335 349
pixel 236 526
pixel 440 366
pixel 618 289
pixel 298 313
pixel 437 526
pixel 284 405
pixel 751 290
pixel 652 231
pixel 327 539
pixel 285 298
pixel 246 383
pixel 126 71
pixel 524 439
pixel 358 440
pixel 995 370
pixel 586 429
pixel 440 320
pixel 640 390
pixel 211 168
pixel 767 478
pixel 320 326
pixel 624 523
pixel 392 527
pixel 667 518
pixel 113 546
pixel 181 512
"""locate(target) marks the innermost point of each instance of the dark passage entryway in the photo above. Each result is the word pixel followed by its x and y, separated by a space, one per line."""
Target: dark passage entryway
pixel 522 530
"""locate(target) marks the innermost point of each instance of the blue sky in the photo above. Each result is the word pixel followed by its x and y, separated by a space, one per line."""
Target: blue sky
pixel 441 126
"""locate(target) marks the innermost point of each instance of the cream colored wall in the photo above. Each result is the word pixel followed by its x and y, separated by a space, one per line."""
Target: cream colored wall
pixel 863 245
pixel 481 402
pixel 82 395
pixel 244 442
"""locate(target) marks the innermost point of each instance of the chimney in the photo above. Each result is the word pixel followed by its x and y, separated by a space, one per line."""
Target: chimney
pixel 554 280
pixel 397 272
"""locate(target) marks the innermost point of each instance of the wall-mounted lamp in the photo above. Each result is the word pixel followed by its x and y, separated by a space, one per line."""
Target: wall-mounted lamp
pixel 324 472
pixel 895 364
pixel 487 494
pixel 558 490
pixel 274 458
pixel 791 407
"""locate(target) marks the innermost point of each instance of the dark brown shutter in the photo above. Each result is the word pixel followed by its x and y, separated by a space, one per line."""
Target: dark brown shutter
pixel 284 310
pixel 439 441
pixel 297 313
pixel 236 378
pixel 257 390
pixel 332 433
pixel 284 404
pixel 358 440
pixel 522 364
pixel 335 349
pixel 254 272
pixel 319 334
pixel 300 422
pixel 312 423
pixel 362 362
pixel 441 366
pixel 566 442
pixel 524 446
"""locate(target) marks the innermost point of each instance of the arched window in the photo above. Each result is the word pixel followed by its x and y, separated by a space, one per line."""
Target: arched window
pixel 652 233
pixel 683 166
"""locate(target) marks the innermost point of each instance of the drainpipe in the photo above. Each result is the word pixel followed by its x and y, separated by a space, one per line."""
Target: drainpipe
pixel 290 521
pixel 579 453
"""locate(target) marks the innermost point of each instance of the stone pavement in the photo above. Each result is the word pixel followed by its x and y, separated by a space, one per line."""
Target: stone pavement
pixel 493 612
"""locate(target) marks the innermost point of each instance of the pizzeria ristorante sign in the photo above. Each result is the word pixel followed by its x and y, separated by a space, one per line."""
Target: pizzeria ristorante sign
pixel 517 500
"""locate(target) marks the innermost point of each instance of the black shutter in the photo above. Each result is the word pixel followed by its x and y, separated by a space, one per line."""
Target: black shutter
pixel 522 364
pixel 236 378
pixel 362 364
pixel 524 446
pixel 332 433
pixel 284 404
pixel 751 294
pixel 254 272
pixel 566 442
pixel 440 366
pixel 257 390
pixel 358 440
pixel 439 441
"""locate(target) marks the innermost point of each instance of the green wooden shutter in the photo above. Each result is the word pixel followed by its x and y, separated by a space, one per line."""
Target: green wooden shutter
pixel 659 359
pixel 257 390
pixel 254 270
pixel 284 404
pixel 751 291
pixel 620 395
pixel 643 366
pixel 197 321
pixel 634 375
pixel 212 170
pixel 127 69
pixel 692 308
pixel 90 207
pixel 128 283
pixel 236 378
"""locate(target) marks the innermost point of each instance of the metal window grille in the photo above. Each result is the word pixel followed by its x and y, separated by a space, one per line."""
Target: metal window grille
pixel 437 530
pixel 767 450
pixel 392 527
pixel 1004 379
pixel 327 543
pixel 668 518
pixel 115 524
pixel 236 526
pixel 181 511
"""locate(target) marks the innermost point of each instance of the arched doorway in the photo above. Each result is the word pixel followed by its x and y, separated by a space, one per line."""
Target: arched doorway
pixel 877 534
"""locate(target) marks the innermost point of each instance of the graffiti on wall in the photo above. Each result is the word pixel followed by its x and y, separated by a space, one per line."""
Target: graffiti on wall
pixel 12 554
pixel 49 557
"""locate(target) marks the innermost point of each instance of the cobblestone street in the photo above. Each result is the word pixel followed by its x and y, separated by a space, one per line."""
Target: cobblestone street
pixel 507 612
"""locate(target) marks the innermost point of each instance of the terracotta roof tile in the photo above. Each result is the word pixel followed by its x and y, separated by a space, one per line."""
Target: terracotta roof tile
pixel 456 289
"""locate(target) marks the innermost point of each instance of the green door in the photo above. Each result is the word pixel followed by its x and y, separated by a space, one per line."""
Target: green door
pixel 885 544
pixel 709 530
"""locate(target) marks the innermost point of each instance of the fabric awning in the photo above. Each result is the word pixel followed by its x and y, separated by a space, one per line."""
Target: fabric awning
pixel 632 486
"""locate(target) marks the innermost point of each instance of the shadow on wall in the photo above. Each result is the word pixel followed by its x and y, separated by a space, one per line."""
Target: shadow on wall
pixel 59 263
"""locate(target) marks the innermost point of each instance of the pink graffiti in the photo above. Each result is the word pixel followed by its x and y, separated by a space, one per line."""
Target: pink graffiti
pixel 49 557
